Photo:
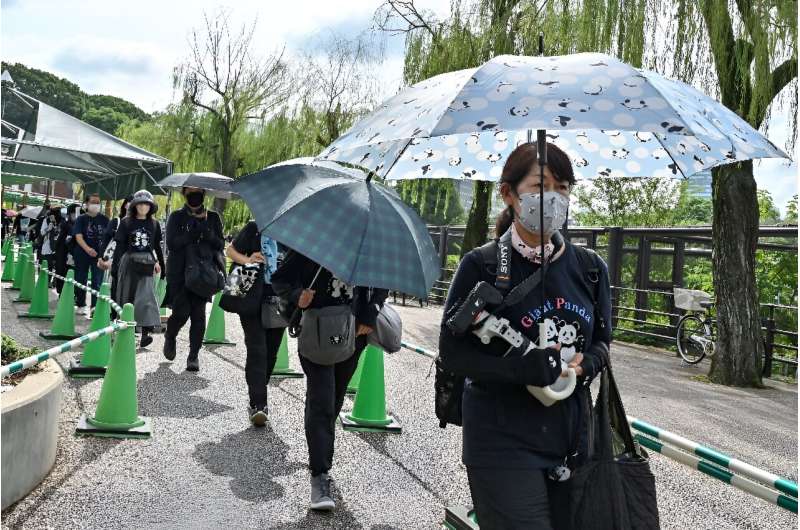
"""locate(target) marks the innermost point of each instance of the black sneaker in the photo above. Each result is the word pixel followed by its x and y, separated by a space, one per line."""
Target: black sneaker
pixel 146 341
pixel 192 364
pixel 258 415
pixel 169 348
pixel 321 496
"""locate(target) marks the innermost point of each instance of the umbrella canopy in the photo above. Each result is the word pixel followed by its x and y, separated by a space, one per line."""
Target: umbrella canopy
pixel 10 213
pixel 359 230
pixel 610 118
pixel 218 185
pixel 31 211
pixel 40 142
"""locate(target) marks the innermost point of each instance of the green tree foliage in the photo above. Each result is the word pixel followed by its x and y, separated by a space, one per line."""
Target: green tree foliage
pixel 436 203
pixel 791 211
pixel 104 112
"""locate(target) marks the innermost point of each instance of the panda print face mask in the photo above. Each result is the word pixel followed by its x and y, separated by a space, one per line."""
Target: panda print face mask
pixel 555 212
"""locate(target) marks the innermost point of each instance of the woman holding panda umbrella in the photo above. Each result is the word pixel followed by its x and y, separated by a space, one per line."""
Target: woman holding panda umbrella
pixel 137 258
pixel 517 449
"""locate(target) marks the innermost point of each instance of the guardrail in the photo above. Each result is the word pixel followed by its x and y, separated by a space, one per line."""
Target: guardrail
pixel 720 466
pixel 33 360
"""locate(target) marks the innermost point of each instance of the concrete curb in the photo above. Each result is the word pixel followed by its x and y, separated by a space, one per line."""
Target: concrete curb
pixel 30 415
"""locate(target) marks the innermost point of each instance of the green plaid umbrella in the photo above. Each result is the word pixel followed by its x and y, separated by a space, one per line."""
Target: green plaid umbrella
pixel 359 230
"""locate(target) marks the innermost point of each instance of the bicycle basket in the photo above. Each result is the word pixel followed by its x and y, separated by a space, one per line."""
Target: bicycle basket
pixel 690 299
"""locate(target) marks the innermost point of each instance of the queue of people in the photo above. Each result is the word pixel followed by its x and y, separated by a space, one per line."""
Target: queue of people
pixel 516 474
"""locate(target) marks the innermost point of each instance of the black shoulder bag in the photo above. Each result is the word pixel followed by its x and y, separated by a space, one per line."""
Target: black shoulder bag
pixel 615 488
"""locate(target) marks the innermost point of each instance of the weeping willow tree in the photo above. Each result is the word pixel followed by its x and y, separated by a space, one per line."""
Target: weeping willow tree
pixel 435 203
pixel 478 30
pixel 744 53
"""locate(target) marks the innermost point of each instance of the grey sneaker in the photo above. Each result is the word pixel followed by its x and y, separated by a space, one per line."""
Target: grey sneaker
pixel 321 497
pixel 258 415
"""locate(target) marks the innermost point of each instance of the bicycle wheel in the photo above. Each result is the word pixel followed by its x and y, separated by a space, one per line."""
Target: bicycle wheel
pixel 691 350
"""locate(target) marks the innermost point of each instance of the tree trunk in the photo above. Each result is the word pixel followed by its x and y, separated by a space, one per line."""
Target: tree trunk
pixel 475 234
pixel 739 349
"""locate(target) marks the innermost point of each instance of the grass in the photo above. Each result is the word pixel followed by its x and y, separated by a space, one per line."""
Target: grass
pixel 12 352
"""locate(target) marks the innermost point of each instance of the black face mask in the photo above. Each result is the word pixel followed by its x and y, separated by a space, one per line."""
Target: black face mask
pixel 195 198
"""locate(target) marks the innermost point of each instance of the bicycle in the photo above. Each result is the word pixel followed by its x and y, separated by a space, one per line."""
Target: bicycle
pixel 695 334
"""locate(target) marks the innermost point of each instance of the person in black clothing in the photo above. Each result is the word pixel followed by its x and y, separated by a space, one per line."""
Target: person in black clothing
pixel 108 245
pixel 64 244
pixel 137 257
pixel 191 225
pixel 251 246
pixel 50 231
pixel 517 450
pixel 305 284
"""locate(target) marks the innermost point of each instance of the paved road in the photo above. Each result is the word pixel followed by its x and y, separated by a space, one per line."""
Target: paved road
pixel 205 467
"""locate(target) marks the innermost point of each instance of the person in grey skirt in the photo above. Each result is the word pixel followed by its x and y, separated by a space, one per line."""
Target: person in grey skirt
pixel 137 258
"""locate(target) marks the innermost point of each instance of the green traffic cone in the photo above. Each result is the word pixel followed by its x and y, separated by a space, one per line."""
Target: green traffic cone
pixel 64 322
pixel 215 330
pixel 117 413
pixel 8 265
pixel 40 304
pixel 6 245
pixel 282 369
pixel 28 281
pixel 19 269
pixel 369 408
pixel 352 386
pixel 161 293
pixel 94 360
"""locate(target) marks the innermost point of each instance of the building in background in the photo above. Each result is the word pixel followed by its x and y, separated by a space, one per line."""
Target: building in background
pixel 700 184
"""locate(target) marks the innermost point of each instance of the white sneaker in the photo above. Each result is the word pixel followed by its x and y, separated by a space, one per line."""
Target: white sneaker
pixel 321 497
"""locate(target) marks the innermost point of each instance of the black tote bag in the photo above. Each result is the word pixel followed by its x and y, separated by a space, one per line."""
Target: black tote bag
pixel 205 270
pixel 614 489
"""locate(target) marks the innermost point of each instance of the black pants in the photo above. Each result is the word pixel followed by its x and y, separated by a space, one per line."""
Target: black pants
pixel 325 390
pixel 262 352
pixel 51 265
pixel 82 267
pixel 510 499
pixel 187 305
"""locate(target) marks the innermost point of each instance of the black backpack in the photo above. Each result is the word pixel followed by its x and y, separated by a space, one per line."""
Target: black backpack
pixel 448 386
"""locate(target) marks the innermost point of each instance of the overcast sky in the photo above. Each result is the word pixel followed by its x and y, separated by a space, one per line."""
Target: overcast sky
pixel 128 49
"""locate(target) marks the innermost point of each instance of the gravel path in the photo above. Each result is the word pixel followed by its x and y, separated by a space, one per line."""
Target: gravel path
pixel 205 467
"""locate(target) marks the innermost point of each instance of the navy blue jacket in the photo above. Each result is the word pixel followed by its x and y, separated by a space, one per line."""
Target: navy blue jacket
pixel 503 424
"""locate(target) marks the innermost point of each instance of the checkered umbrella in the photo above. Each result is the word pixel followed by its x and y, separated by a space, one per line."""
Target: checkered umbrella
pixel 359 230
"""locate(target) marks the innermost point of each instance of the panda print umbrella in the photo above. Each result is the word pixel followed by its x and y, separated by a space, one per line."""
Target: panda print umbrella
pixel 612 119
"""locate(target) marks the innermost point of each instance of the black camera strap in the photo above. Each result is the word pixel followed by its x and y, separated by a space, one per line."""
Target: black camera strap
pixel 503 276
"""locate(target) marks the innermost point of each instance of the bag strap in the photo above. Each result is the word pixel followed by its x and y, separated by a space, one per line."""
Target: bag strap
pixel 609 414
pixel 590 275
pixel 498 253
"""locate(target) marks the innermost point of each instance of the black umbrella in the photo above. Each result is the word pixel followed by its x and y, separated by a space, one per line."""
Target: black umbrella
pixel 216 184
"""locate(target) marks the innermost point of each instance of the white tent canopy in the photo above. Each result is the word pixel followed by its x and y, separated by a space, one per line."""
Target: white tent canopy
pixel 42 143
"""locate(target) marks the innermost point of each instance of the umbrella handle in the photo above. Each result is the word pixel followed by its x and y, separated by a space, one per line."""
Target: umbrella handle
pixel 294 329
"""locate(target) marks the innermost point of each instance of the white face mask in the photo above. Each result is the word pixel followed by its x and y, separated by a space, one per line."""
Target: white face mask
pixel 555 212
pixel 93 209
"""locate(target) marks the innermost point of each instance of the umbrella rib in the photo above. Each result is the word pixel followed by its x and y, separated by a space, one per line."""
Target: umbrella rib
pixel 363 235
pixel 677 166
